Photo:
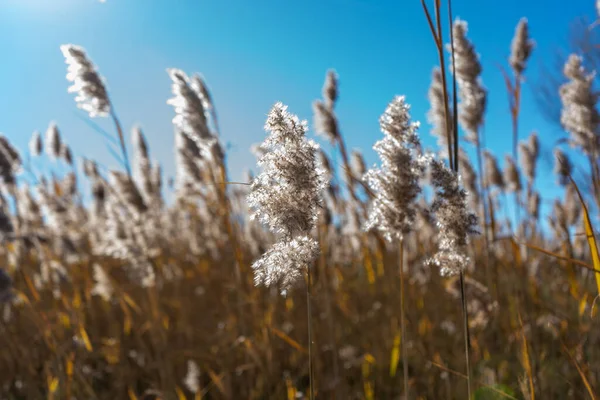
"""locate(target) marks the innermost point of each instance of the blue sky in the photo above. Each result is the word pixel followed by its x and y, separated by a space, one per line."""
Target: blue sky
pixel 252 54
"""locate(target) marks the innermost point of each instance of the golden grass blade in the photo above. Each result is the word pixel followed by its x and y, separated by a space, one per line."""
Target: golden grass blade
pixel 561 257
pixel 131 394
pixel 368 384
pixel 526 361
pixel 580 371
pixel 460 374
pixel 288 340
pixel 180 394
pixel 85 338
pixel 218 381
pixel 589 231
pixel 395 356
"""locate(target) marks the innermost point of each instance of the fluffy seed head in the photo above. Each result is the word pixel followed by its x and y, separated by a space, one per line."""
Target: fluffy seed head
pixel 579 115
pixel 191 114
pixel 521 47
pixel 35 144
pixel 436 115
pixel 325 121
pixel 396 183
pixel 453 219
pixel 330 88
pixel 285 262
pixel 562 166
pixel 493 175
pixel 53 141
pixel 286 195
pixel 511 175
pixel 467 69
pixel 87 83
pixel 10 161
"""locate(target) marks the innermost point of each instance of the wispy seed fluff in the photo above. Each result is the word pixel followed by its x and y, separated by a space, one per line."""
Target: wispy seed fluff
pixel 283 264
pixel 191 114
pixel 493 175
pixel 87 83
pixel 521 47
pixel 533 204
pixel 35 144
pixel 192 377
pixel 562 167
pixel 436 115
pixel 453 219
pixel 286 196
pixel 53 141
pixel 396 183
pixel 472 94
pixel 10 161
pixel 579 115
pixel 512 179
pixel 357 163
pixel 529 152
pixel 325 119
pixel 469 177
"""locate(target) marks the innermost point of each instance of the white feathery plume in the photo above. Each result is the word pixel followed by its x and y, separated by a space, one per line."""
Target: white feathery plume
pixel 191 115
pixel 533 204
pixel 192 376
pixel 53 141
pixel 493 174
pixel 529 152
pixel 357 163
pixel 10 161
pixel 325 120
pixel 35 144
pixel 87 83
pixel 396 183
pixel 467 69
pixel 521 47
pixel 562 166
pixel 285 196
pixel 102 286
pixel 284 263
pixel 436 115
pixel 453 219
pixel 579 115
pixel 512 179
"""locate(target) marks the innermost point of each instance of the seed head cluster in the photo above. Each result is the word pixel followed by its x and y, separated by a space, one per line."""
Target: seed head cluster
pixel 467 70
pixel 579 115
pixel 454 220
pixel 87 83
pixel 286 196
pixel 396 183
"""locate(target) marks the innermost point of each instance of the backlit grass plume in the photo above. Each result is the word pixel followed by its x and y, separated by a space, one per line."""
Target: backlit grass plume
pixel 579 115
pixel 521 47
pixel 396 182
pixel 87 83
pixel 190 103
pixel 454 220
pixel 472 94
pixel 286 196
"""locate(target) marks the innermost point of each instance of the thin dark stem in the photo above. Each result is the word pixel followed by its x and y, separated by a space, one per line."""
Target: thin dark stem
pixel 437 38
pixel 310 339
pixel 454 90
pixel 121 142
pixel 402 322
pixel 451 133
pixel 515 113
pixel 466 331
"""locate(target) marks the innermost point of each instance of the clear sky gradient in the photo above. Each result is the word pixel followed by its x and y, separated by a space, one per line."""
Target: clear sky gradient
pixel 252 54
